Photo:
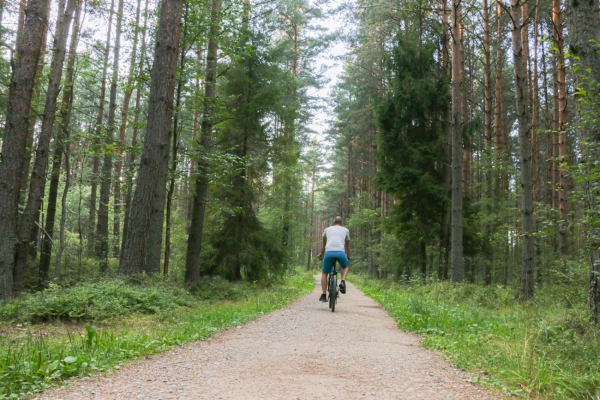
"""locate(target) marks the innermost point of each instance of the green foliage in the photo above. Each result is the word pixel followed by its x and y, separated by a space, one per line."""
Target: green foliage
pixel 411 144
pixel 367 220
pixel 546 348
pixel 587 173
pixel 31 361
pixel 390 253
pixel 411 136
pixel 244 247
pixel 94 301
pixel 246 250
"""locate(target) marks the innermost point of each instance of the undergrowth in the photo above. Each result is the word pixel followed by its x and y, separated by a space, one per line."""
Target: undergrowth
pixel 542 349
pixel 33 360
pixel 95 301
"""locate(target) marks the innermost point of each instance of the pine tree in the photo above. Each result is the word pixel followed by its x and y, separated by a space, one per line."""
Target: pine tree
pixel 15 138
pixel 155 153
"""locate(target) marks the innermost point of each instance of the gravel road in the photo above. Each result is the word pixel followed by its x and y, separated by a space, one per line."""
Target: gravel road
pixel 302 351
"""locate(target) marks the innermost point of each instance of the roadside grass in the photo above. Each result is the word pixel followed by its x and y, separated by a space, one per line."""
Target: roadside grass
pixel 542 349
pixel 36 356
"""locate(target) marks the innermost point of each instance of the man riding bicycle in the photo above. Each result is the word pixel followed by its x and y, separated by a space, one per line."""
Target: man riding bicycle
pixel 336 246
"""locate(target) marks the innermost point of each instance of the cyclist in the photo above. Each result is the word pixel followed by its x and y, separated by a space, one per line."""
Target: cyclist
pixel 336 246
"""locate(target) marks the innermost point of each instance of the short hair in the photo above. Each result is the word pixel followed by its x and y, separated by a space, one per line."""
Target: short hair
pixel 337 220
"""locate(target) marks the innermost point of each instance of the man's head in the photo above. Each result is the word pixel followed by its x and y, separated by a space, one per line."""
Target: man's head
pixel 337 220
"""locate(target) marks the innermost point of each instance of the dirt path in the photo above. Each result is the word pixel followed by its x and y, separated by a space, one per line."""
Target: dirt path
pixel 300 352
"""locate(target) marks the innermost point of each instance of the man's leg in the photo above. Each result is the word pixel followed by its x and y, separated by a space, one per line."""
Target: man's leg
pixel 345 273
pixel 327 266
pixel 343 282
pixel 324 283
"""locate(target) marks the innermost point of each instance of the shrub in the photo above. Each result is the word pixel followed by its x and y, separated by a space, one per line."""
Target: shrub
pixel 95 301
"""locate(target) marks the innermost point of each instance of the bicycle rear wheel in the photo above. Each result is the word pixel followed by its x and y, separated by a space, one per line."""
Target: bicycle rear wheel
pixel 332 292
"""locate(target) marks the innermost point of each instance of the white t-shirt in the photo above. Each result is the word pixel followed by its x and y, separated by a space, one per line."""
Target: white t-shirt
pixel 336 238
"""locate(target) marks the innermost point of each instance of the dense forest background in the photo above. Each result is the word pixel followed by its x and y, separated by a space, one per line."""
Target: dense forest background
pixel 173 138
pixel 469 139
pixel 167 169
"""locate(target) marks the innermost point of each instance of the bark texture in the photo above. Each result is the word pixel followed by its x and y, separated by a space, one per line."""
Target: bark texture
pixel 535 112
pixel 156 145
pixel 501 185
pixel 447 169
pixel 457 148
pixel 524 127
pixel 37 183
pixel 192 262
pixel 583 26
pixel 15 139
pixel 174 159
pixel 136 120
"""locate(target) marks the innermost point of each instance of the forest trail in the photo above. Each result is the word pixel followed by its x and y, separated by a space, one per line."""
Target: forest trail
pixel 302 351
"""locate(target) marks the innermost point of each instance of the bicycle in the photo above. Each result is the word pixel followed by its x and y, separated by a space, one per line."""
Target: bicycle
pixel 332 287
pixel 332 284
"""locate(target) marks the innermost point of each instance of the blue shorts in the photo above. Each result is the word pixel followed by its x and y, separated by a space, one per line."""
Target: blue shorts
pixel 331 257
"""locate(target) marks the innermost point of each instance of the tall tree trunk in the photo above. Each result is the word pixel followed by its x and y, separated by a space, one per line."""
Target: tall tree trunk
pixel 61 146
pixel 447 169
pixel 160 111
pixel 102 230
pixel 554 138
pixel 196 124
pixel 15 137
pixel 525 39
pixel 524 128
pixel 34 114
pixel 175 148
pixel 500 115
pixel 312 211
pixel 136 120
pixel 563 241
pixel 467 145
pixel 38 174
pixel 487 79
pixel 63 215
pixel 194 249
pixel 535 111
pixel 20 28
pixel 121 139
pixel 93 243
pixel 154 240
pixel 48 237
pixel 157 219
pixel 487 120
pixel 349 179
pixel 66 110
pixel 457 148
pixel 547 126
pixel 583 27
pixel 289 132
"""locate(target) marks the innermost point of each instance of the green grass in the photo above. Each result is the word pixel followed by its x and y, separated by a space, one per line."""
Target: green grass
pixel 542 349
pixel 35 357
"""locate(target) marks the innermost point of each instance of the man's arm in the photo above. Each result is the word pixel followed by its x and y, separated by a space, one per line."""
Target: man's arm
pixel 323 249
pixel 347 245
